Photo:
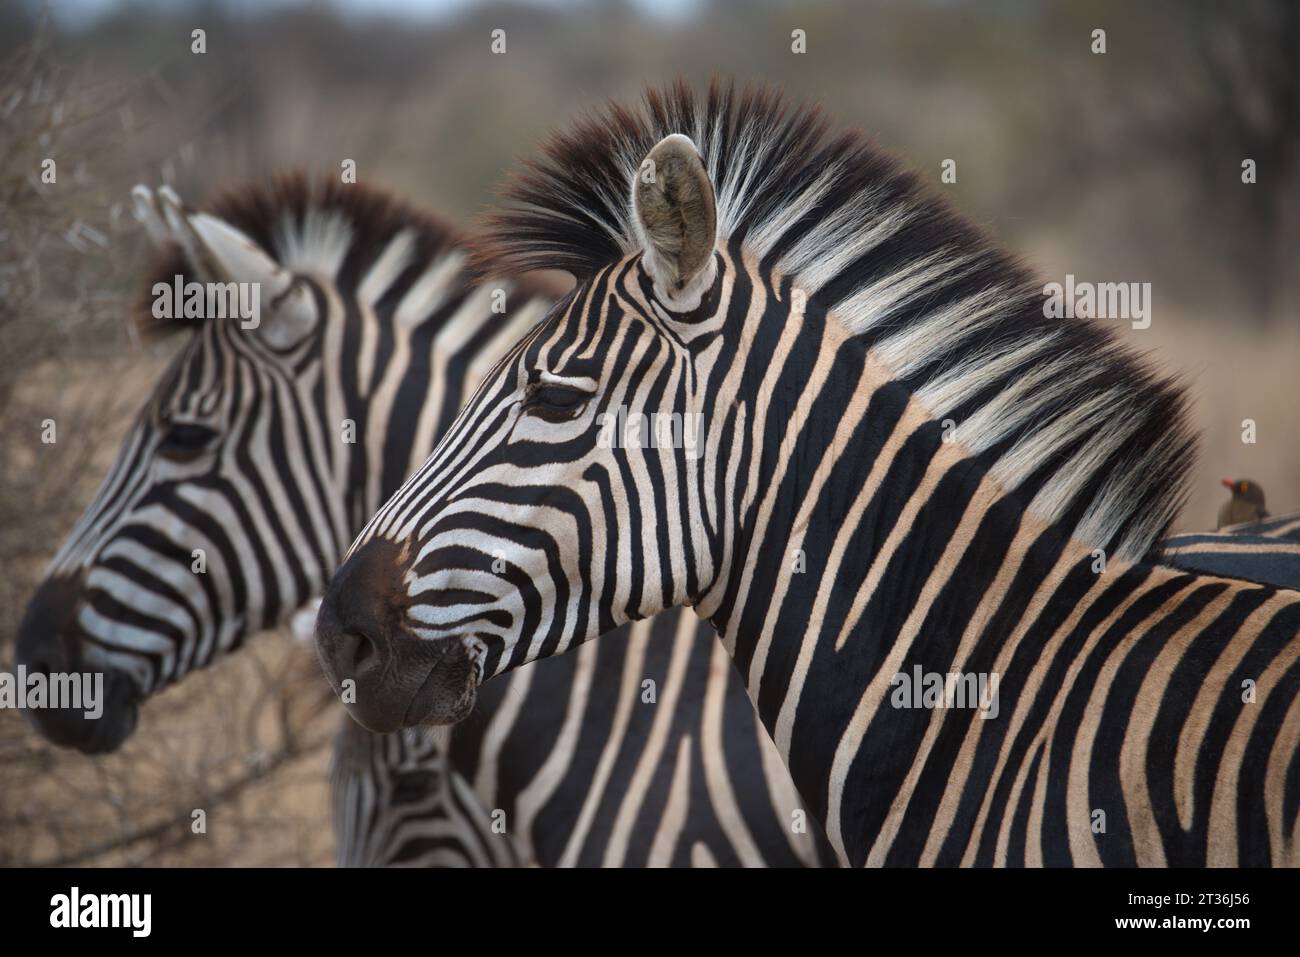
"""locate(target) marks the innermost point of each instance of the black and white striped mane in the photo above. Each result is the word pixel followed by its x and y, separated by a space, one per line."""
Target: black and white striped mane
pixel 306 222
pixel 1056 408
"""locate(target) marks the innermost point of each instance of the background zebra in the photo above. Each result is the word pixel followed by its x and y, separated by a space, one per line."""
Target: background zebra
pixel 1267 551
pixel 907 467
pixel 398 802
pixel 243 452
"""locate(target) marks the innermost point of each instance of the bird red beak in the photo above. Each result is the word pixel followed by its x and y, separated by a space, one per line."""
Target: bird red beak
pixel 1229 484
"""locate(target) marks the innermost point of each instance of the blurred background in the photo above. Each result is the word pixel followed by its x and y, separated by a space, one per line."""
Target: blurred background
pixel 1117 167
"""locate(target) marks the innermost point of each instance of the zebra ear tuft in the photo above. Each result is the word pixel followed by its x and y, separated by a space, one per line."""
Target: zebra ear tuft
pixel 676 218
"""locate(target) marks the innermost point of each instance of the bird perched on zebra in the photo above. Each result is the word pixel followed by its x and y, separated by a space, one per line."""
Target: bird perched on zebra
pixel 923 514
pixel 1245 503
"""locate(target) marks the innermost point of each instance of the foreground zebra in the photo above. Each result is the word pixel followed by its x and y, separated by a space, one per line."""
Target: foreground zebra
pixel 398 801
pixel 905 469
pixel 373 332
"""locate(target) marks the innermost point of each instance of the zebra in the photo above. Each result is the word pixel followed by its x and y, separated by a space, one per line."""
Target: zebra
pixel 905 470
pixel 630 796
pixel 240 460
pixel 397 801
pixel 1266 551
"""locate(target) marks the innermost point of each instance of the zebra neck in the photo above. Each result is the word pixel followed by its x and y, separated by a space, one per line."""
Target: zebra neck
pixel 382 384
pixel 872 560
pixel 411 345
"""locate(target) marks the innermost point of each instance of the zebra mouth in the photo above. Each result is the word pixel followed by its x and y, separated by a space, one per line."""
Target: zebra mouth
pixel 86 704
pixel 449 690
pixel 71 727
pixel 110 735
pixel 389 674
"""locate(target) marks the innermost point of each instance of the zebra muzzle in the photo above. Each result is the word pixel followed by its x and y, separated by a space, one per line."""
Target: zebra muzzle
pixel 50 660
pixel 387 677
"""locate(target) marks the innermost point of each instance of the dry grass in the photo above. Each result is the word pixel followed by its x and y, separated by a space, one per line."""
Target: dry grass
pixel 247 742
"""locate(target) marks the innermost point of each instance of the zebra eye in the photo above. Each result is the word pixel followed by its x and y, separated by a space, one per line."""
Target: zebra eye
pixel 185 441
pixel 555 402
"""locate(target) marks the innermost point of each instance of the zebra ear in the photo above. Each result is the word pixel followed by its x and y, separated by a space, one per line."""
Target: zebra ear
pixel 218 252
pixel 287 309
pixel 677 220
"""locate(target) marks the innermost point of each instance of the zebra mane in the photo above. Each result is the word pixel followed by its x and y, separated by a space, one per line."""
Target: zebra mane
pixel 1056 408
pixel 319 222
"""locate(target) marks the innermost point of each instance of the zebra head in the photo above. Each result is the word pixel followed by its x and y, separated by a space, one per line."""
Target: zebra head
pixel 575 492
pixel 236 488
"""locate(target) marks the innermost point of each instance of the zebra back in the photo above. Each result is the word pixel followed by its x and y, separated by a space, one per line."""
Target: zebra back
pixel 1267 552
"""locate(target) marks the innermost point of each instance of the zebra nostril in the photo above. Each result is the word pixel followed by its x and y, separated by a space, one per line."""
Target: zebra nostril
pixel 362 651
